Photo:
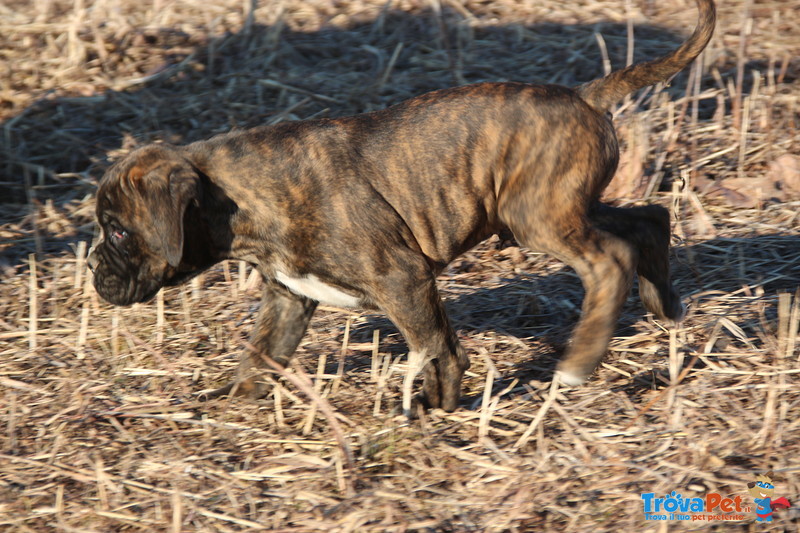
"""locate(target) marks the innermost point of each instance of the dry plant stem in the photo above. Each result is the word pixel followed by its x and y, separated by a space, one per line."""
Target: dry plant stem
pixel 318 384
pixel 540 414
pixel 629 33
pixel 80 257
pixel 33 304
pixel 83 332
pixel 697 67
pixel 160 318
pixel 375 363
pixel 385 373
pixel 788 323
pixel 741 58
pixel 342 356
pixel 445 42
pixel 389 66
pixel 601 43
pixel 299 379
pixel 177 512
pixel 486 408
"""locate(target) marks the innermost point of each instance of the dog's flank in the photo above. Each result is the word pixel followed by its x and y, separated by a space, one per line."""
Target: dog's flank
pixel 604 92
pixel 368 209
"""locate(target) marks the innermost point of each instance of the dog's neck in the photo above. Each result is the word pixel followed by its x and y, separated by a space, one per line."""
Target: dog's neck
pixel 208 233
pixel 215 229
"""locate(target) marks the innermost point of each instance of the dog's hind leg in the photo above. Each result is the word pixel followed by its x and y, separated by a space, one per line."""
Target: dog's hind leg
pixel 280 325
pixel 647 229
pixel 604 262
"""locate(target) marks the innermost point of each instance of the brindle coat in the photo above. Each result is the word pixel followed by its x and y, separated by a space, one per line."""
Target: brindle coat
pixel 372 207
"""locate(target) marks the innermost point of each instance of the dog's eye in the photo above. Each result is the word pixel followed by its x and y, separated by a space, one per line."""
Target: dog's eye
pixel 118 235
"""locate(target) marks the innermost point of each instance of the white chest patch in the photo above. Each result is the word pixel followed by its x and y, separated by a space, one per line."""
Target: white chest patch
pixel 311 287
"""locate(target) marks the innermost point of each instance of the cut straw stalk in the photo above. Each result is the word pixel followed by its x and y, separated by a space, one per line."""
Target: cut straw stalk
pixel 80 256
pixel 242 276
pixel 375 363
pixel 101 482
pixel 83 332
pixel 540 414
pixel 488 405
pixel 300 380
pixel 115 333
pixel 33 303
pixel 388 71
pixel 788 323
pixel 160 321
pixel 675 356
pixel 342 356
pixel 440 474
pixel 177 511
pixel 385 373
pixel 318 383
pixel 741 60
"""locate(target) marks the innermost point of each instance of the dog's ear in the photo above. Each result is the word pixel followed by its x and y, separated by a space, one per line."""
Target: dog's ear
pixel 184 187
pixel 751 484
pixel 770 475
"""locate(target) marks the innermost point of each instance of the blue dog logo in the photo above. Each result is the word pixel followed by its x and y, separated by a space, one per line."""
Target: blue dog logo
pixel 762 490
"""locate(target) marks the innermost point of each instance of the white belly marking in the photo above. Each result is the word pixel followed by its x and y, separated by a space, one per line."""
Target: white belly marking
pixel 311 287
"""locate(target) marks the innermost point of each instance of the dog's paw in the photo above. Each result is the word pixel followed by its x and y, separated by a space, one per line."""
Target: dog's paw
pixel 678 314
pixel 570 379
pixel 665 304
pixel 674 315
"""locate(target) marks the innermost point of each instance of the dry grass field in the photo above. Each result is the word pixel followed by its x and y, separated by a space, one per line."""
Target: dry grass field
pixel 100 429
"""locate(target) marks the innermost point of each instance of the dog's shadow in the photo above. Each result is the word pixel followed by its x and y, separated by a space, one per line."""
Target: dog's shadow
pixel 530 315
pixel 537 311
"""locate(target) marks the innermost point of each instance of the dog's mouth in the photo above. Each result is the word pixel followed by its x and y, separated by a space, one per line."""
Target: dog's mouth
pixel 123 291
pixel 148 296
pixel 119 281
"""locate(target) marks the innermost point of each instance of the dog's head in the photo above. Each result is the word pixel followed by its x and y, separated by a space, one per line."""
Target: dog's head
pixel 141 203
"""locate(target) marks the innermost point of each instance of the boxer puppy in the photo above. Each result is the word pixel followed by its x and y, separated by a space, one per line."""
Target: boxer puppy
pixel 365 211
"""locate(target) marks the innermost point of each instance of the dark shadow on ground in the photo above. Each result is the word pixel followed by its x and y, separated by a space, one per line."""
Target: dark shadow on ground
pixel 706 270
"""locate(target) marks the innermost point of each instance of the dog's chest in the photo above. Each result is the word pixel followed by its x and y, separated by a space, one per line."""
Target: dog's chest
pixel 311 287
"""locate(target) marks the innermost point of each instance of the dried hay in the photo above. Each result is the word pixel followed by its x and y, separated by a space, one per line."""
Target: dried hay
pixel 100 428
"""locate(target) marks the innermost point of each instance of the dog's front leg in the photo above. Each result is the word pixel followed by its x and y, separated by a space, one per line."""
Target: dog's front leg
pixel 410 298
pixel 280 325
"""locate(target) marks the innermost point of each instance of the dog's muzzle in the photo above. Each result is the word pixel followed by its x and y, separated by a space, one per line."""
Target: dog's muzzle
pixel 120 279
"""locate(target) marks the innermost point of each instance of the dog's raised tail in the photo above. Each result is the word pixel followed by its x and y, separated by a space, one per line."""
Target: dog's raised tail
pixel 602 93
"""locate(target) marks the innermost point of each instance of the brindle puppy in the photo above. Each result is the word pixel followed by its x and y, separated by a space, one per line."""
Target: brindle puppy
pixel 366 211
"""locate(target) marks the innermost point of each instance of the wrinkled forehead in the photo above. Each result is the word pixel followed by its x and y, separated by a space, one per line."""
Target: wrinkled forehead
pixel 126 208
pixel 115 195
pixel 124 183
